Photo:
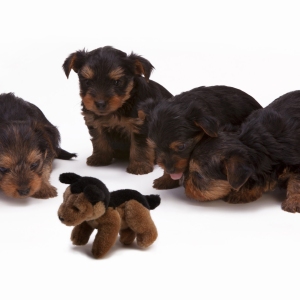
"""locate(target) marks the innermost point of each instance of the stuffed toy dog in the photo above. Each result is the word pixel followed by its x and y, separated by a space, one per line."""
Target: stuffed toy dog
pixel 88 205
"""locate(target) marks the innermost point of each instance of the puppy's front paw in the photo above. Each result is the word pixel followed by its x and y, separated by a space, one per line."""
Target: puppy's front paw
pixel 97 160
pixel 45 192
pixel 291 204
pixel 165 182
pixel 139 168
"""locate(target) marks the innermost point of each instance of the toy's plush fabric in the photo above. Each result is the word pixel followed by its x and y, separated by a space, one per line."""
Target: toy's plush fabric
pixel 88 205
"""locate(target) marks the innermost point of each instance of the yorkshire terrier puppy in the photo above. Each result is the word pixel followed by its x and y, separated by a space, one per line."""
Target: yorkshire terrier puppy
pixel 178 124
pixel 28 145
pixel 112 86
pixel 263 153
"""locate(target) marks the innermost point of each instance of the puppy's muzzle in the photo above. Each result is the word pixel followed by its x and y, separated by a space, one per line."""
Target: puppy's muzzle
pixel 100 104
pixel 23 191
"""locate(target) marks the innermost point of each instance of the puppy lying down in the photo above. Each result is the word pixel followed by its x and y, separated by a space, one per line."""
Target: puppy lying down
pixel 28 145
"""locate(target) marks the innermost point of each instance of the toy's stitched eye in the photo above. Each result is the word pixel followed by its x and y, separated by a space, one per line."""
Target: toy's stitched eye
pixel 181 147
pixel 76 209
pixel 34 165
pixel 4 170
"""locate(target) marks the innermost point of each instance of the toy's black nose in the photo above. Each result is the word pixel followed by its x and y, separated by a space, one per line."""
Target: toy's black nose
pixel 100 104
pixel 61 219
pixel 24 192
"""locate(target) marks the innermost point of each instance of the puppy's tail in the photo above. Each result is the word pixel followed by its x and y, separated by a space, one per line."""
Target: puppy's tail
pixel 153 200
pixel 63 154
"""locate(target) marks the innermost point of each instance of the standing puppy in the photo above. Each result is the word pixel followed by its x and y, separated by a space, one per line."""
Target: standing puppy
pixel 28 145
pixel 239 166
pixel 178 124
pixel 112 86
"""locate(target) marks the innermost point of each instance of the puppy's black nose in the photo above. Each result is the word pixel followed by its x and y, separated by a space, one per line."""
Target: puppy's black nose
pixel 61 219
pixel 24 192
pixel 100 104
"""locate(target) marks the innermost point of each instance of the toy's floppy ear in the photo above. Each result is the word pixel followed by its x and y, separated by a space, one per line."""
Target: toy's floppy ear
pixel 142 65
pixel 208 124
pixel 69 178
pixel 74 62
pixel 95 195
pixel 238 171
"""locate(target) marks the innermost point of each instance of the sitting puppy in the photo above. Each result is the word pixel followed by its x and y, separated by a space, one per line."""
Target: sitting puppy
pixel 264 153
pixel 112 85
pixel 177 125
pixel 28 145
pixel 88 205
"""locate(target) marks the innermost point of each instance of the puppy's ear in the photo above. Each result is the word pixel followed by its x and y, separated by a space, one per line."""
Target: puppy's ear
pixel 238 170
pixel 208 124
pixel 95 195
pixel 75 61
pixel 69 178
pixel 142 65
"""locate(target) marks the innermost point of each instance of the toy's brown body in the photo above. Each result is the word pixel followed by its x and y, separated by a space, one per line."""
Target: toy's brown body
pixel 88 206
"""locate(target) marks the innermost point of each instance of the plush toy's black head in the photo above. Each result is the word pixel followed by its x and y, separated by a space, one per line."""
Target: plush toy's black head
pixel 94 189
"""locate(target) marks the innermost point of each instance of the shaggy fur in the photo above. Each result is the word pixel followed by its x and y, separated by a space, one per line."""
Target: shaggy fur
pixel 28 145
pixel 112 86
pixel 264 153
pixel 178 124
pixel 88 205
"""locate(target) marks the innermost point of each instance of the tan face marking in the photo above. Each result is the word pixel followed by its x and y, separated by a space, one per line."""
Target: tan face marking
pixel 214 190
pixel 116 74
pixel 87 72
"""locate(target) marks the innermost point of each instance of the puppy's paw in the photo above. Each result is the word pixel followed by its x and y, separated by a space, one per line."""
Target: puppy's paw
pixel 97 160
pixel 45 192
pixel 165 182
pixel 139 168
pixel 291 204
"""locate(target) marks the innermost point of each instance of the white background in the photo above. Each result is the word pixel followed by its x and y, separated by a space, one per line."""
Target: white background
pixel 204 250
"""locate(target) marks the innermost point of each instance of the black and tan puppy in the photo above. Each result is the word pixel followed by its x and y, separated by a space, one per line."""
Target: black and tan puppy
pixel 239 166
pixel 28 145
pixel 112 86
pixel 178 124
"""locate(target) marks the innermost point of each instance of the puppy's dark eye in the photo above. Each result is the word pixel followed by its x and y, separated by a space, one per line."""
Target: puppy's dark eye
pixel 34 165
pixel 86 82
pixel 181 147
pixel 4 170
pixel 198 175
pixel 116 82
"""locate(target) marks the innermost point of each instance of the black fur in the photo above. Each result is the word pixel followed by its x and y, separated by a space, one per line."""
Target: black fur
pixel 186 117
pixel 264 147
pixel 109 104
pixel 31 123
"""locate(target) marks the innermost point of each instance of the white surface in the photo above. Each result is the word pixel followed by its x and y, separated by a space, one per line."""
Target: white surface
pixel 204 251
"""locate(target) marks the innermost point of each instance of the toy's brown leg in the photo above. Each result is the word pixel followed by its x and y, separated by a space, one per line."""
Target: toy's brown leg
pixel 46 190
pixel 292 203
pixel 127 236
pixel 81 233
pixel 165 182
pixel 102 151
pixel 139 220
pixel 142 156
pixel 109 226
